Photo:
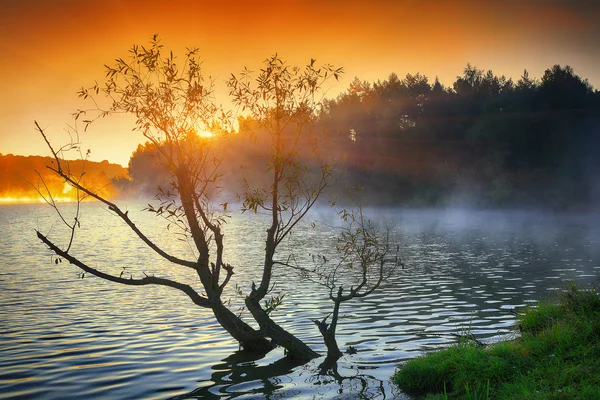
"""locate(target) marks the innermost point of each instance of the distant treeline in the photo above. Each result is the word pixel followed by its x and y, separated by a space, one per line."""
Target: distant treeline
pixel 485 140
pixel 21 176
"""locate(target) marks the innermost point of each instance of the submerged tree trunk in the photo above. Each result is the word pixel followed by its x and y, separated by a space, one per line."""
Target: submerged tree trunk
pixel 249 338
pixel 328 333
pixel 333 351
pixel 295 347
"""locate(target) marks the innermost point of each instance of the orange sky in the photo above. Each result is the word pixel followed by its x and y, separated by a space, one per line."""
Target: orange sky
pixel 50 48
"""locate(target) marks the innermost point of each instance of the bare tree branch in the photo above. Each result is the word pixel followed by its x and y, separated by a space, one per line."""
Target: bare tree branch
pixel 112 207
pixel 148 280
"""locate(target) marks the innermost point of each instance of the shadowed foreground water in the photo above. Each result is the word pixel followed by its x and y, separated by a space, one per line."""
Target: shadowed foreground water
pixel 63 337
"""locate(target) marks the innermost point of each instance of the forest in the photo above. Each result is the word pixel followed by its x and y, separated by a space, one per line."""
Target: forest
pixel 486 140
pixel 23 176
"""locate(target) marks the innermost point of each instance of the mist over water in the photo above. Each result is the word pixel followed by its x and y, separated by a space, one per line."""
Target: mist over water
pixel 465 269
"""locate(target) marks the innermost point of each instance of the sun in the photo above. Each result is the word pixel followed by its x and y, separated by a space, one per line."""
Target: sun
pixel 205 134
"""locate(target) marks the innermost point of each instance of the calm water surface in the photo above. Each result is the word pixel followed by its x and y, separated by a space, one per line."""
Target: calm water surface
pixel 66 337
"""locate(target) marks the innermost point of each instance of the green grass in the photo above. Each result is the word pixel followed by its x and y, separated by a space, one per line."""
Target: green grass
pixel 555 356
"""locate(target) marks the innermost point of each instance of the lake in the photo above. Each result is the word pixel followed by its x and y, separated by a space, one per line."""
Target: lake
pixel 64 337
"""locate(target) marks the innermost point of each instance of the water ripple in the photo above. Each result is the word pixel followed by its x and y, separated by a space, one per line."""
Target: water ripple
pixel 62 336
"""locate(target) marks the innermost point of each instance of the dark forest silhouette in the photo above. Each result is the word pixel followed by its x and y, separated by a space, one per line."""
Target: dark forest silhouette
pixel 486 140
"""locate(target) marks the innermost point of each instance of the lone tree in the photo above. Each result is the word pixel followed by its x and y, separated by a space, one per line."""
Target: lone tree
pixel 172 103
pixel 371 255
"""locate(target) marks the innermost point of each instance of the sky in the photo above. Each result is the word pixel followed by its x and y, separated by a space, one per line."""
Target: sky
pixel 51 48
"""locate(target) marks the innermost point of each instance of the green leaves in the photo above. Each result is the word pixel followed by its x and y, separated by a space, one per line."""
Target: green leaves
pixel 272 303
pixel 279 88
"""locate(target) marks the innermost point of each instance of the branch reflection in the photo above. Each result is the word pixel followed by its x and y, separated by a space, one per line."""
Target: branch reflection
pixel 240 375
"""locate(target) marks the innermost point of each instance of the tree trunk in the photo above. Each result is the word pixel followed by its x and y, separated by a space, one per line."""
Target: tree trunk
pixel 295 347
pixel 328 331
pixel 333 351
pixel 249 338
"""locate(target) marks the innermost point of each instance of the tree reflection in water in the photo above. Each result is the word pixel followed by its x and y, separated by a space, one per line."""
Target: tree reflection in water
pixel 358 386
pixel 240 376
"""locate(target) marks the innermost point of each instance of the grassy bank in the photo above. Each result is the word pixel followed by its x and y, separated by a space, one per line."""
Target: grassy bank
pixel 556 355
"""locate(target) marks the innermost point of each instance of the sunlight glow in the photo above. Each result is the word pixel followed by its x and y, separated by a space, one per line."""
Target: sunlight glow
pixel 206 134
pixel 61 193
pixel 67 188
pixel 33 199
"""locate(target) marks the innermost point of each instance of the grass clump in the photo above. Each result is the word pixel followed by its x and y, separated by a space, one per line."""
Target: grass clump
pixel 555 356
